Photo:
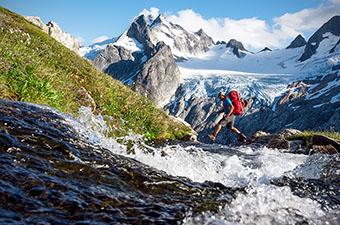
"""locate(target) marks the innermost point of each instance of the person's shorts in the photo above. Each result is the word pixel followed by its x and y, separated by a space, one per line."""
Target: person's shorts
pixel 229 122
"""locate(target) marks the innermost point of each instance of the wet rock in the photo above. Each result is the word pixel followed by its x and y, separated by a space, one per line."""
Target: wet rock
pixel 317 143
pixel 270 140
pixel 326 149
pixel 190 137
pixel 289 132
pixel 278 141
pixel 297 145
pixel 50 175
pixel 333 146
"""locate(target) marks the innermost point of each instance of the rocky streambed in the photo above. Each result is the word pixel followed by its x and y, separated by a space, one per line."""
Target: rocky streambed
pixel 55 169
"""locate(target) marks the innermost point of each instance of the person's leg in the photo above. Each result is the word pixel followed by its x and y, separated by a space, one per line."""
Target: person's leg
pixel 230 125
pixel 218 128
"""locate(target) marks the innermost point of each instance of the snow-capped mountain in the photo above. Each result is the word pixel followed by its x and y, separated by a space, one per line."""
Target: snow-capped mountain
pixel 329 30
pixel 299 41
pixel 264 78
pixel 153 28
pixel 90 52
pixel 53 29
pixel 203 68
pixel 128 57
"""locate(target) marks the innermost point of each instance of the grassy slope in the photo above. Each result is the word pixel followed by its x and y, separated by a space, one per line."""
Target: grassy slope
pixel 36 68
pixel 305 135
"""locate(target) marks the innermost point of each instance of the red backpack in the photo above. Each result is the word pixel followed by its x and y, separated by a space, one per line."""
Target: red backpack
pixel 238 103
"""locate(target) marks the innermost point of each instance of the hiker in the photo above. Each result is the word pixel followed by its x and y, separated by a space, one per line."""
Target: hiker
pixel 232 105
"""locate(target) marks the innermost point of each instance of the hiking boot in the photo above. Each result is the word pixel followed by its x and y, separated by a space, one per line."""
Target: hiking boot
pixel 242 138
pixel 212 137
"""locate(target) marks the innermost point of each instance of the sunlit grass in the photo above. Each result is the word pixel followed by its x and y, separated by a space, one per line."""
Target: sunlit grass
pixel 36 68
pixel 307 135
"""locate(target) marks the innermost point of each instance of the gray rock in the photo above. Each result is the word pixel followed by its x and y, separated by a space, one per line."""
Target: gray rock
pixel 297 146
pixel 262 138
pixel 111 54
pixel 159 77
pixel 221 43
pixel 299 41
pixel 53 29
pixel 237 47
pixel 140 31
pixel 290 132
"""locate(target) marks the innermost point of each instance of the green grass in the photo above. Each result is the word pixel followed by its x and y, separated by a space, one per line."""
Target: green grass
pixel 307 135
pixel 36 68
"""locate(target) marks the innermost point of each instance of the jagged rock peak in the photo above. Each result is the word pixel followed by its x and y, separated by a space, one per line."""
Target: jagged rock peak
pixel 331 26
pixel 159 19
pixel 140 31
pixel 201 32
pixel 266 49
pixel 221 43
pixel 237 47
pixel 299 41
pixel 53 29
pixel 233 43
pixel 38 22
pixel 150 15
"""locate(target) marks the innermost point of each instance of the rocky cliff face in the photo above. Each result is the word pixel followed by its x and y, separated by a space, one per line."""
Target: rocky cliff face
pixel 121 63
pixel 143 56
pixel 159 77
pixel 237 48
pixel 135 60
pixel 332 26
pixel 53 29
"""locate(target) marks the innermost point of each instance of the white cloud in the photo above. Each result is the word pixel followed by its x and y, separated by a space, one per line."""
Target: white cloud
pixel 80 40
pixel 307 19
pixel 100 39
pixel 335 1
pixel 153 12
pixel 256 33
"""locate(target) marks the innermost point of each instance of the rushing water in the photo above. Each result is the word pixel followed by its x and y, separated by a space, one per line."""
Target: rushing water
pixel 56 169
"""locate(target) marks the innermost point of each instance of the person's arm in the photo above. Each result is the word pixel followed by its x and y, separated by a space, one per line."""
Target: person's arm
pixel 230 111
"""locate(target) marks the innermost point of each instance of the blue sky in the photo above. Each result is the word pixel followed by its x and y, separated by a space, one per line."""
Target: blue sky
pixel 91 19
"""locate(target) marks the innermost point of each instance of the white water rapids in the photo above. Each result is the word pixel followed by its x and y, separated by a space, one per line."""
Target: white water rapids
pixel 252 168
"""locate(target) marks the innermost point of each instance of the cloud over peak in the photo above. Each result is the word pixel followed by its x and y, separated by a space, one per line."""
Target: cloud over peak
pixel 256 33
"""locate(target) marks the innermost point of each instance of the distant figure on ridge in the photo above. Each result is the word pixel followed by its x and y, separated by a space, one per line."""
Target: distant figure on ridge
pixel 233 105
